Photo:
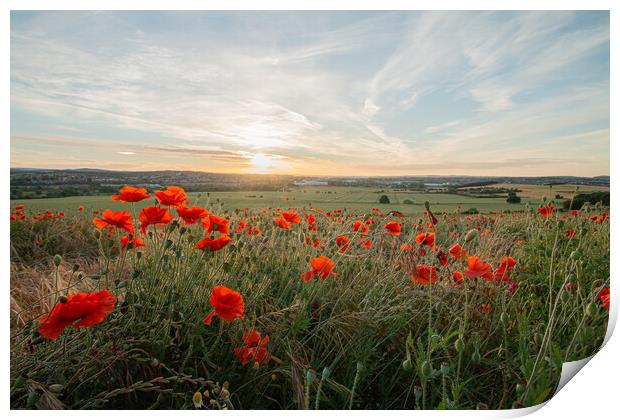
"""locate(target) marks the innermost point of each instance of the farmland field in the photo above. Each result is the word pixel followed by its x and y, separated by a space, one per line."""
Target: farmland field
pixel 328 198
pixel 535 193
pixel 316 307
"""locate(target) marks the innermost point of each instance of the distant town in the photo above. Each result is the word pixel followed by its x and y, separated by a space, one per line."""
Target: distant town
pixel 42 183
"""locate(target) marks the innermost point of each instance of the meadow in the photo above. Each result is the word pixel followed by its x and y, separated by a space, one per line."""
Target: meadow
pixel 327 198
pixel 301 300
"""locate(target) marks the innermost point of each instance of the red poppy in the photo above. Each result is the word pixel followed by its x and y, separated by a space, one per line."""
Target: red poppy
pixel 570 233
pixel 322 266
pixel 365 243
pixel 153 215
pixel 135 242
pixel 426 238
pixel 458 277
pixel 505 267
pixel 280 222
pixel 228 304
pixel 119 219
pixel 291 217
pixel 255 348
pixel 359 225
pixel 216 224
pixel 254 230
pixel 81 209
pixel 191 215
pixel 20 207
pixel 457 251
pixel 547 210
pixel 603 296
pixel 393 228
pixel 443 258
pixel 424 274
pixel 213 244
pixel 477 268
pixel 129 194
pixel 172 197
pixel 87 308
pixel 343 243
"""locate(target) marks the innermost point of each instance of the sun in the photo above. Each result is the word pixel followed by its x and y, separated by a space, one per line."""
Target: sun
pixel 263 164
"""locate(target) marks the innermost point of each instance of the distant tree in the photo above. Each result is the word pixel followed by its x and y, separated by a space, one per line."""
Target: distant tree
pixel 558 197
pixel 384 199
pixel 407 201
pixel 580 199
pixel 471 210
pixel 513 198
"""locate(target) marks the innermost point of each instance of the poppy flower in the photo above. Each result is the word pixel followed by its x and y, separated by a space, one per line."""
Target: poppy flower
pixel 283 223
pixel 254 230
pixel 119 219
pixel 505 267
pixel 20 207
pixel 343 243
pixel 426 238
pixel 443 258
pixel 213 244
pixel 365 243
pixel 547 210
pixel 228 304
pixel 458 277
pixel 172 197
pixel 291 217
pixel 135 242
pixel 575 212
pixel 322 266
pixel 570 233
pixel 191 215
pixel 153 215
pixel 216 224
pixel 255 348
pixel 424 274
pixel 477 268
pixel 129 194
pixel 81 209
pixel 603 296
pixel 87 308
pixel 457 251
pixel 361 226
pixel 485 308
pixel 393 228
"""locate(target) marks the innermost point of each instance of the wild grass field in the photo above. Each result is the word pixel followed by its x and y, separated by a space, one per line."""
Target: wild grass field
pixel 267 303
pixel 328 198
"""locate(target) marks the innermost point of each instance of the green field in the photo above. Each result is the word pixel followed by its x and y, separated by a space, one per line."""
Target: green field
pixel 327 198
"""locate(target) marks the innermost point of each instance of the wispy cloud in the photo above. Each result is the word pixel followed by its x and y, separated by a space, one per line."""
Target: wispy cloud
pixel 315 93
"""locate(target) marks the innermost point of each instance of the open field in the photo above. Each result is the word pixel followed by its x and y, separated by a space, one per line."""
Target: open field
pixel 536 193
pixel 327 198
pixel 380 318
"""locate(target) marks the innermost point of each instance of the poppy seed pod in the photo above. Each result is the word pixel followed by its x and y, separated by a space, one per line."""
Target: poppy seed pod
pixel 407 365
pixel 427 369
pixel 57 260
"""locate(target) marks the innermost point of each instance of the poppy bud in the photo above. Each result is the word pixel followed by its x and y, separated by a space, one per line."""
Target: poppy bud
pixel 520 388
pixel 57 260
pixel 445 369
pixel 475 357
pixel 427 369
pixel 360 367
pixel 590 309
pixel 503 318
pixel 325 374
pixel 310 376
pixel 407 365
pixel 75 267
pixel 417 392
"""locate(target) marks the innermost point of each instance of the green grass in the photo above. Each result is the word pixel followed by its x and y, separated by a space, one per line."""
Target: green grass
pixel 327 198
pixel 386 342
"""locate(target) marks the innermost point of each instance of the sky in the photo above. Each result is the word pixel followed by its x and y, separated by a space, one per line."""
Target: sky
pixel 312 93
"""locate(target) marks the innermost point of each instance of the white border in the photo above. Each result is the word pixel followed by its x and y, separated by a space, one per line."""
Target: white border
pixel 594 391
